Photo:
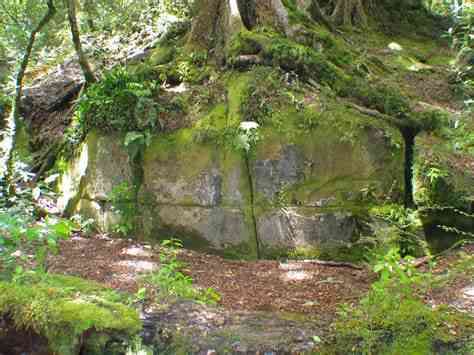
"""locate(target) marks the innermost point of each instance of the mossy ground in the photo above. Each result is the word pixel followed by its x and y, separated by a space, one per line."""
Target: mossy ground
pixel 65 310
pixel 442 176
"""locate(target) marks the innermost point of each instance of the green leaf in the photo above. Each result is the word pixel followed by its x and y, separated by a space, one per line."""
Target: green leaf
pixel 133 137
pixel 63 229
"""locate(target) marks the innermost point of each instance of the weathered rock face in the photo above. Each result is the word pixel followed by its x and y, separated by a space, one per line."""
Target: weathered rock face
pixel 292 193
pixel 443 188
pixel 302 227
pixel 308 192
pixel 87 183
pixel 200 193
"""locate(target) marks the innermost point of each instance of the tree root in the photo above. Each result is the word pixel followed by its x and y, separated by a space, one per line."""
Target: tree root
pixel 330 263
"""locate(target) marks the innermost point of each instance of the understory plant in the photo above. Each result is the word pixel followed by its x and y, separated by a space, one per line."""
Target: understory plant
pixel 21 237
pixel 392 318
pixel 119 102
pixel 402 231
pixel 170 281
pixel 123 200
pixel 28 233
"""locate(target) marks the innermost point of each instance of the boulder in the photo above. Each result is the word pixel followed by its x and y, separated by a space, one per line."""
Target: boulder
pixel 297 189
pixel 198 192
pixel 89 178
pixel 298 227
pixel 310 189
pixel 219 228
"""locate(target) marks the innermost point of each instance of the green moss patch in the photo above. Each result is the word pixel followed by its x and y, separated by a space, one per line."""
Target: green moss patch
pixel 442 173
pixel 65 310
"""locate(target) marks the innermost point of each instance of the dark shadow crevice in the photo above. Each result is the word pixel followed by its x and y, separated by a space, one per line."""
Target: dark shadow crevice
pixel 409 134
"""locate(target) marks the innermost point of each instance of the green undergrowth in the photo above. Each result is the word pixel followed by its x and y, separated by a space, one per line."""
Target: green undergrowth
pixel 66 310
pixel 121 101
pixel 171 282
pixel 441 174
pixel 393 319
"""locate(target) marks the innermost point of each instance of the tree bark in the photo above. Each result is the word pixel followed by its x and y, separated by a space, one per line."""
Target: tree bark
pixel 217 20
pixel 76 38
pixel 91 12
pixel 213 26
pixel 203 30
pixel 19 93
pixel 349 13
pixel 318 15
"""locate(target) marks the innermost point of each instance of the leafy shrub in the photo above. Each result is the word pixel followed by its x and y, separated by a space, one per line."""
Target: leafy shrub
pixel 123 200
pixel 120 102
pixel 135 143
pixel 170 281
pixel 403 231
pixel 20 235
pixel 392 318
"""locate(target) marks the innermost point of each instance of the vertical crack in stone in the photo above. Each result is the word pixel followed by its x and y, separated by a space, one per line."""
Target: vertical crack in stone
pixel 409 135
pixel 252 205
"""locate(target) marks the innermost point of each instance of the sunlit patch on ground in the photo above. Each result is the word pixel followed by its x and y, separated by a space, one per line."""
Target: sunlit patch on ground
pixel 138 266
pixel 297 275
pixel 138 251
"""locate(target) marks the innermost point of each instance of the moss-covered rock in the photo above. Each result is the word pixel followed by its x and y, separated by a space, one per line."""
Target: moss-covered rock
pixel 283 230
pixel 200 185
pixel 313 173
pixel 88 179
pixel 197 191
pixel 442 174
pixel 68 311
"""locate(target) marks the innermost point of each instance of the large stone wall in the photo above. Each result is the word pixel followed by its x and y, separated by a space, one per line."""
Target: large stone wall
pixel 305 193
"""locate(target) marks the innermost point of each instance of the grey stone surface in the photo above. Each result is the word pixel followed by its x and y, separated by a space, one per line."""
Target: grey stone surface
pixel 272 174
pixel 204 189
pixel 108 166
pixel 288 228
pixel 219 227
pixel 204 176
pixel 201 193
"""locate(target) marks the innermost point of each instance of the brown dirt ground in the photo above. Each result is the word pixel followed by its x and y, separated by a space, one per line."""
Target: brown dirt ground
pixel 248 286
pixel 263 285
pixel 451 292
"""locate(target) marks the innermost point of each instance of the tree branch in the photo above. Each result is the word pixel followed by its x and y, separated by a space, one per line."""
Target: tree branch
pixel 318 15
pixel 19 89
pixel 76 38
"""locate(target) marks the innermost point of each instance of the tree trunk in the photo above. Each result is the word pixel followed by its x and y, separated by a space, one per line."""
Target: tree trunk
pixel 213 26
pixel 91 13
pixel 349 13
pixel 76 38
pixel 19 93
pixel 318 15
pixel 217 20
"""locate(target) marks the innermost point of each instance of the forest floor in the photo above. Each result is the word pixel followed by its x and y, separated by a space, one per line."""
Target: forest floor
pixel 273 286
pixel 265 285
pixel 264 304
